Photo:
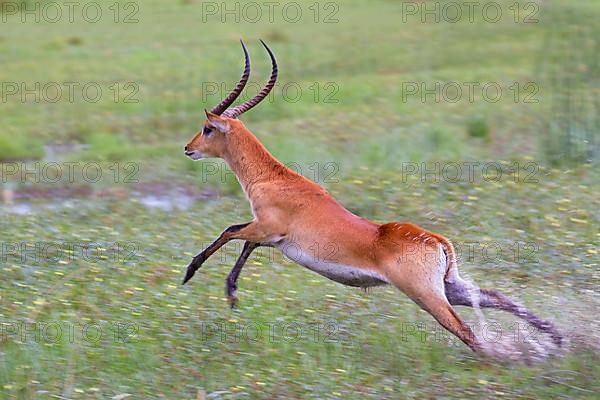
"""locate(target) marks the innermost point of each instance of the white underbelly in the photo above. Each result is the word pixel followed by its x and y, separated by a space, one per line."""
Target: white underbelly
pixel 345 274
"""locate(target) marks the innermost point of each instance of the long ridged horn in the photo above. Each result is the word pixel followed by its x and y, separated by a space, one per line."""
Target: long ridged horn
pixel 242 108
pixel 226 102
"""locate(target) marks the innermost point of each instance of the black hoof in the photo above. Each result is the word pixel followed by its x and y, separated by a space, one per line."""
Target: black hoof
pixel 230 291
pixel 192 268
pixel 188 275
pixel 232 300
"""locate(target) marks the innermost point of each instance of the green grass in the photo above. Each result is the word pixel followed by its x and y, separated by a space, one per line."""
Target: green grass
pixel 19 148
pixel 317 339
pixel 315 336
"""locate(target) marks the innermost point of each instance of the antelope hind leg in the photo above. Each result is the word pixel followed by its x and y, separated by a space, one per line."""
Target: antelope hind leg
pixel 231 280
pixel 443 312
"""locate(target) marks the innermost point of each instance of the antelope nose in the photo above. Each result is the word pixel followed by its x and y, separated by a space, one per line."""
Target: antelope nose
pixel 185 148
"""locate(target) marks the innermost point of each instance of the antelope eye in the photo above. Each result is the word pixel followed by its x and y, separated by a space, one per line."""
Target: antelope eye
pixel 207 130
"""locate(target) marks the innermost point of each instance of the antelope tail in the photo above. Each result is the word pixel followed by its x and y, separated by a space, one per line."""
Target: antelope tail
pixel 461 293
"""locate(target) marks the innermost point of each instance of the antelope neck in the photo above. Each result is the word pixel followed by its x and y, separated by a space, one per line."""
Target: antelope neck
pixel 250 161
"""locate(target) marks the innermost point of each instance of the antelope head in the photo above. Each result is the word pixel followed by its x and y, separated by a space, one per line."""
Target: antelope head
pixel 221 122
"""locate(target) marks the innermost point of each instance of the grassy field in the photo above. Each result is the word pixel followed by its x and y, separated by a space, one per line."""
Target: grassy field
pixel 91 305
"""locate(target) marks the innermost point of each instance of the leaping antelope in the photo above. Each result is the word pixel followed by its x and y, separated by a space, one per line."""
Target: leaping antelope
pixel 293 214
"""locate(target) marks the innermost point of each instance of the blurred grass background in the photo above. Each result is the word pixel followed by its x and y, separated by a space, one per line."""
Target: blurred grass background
pixel 356 125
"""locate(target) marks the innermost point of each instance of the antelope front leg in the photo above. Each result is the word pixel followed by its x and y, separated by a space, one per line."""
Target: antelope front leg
pixel 250 231
pixel 199 258
pixel 231 281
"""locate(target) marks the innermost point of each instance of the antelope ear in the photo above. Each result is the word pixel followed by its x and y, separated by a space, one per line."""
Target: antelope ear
pixel 217 121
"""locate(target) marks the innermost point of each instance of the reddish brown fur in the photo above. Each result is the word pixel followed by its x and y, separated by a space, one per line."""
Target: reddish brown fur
pixel 289 207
